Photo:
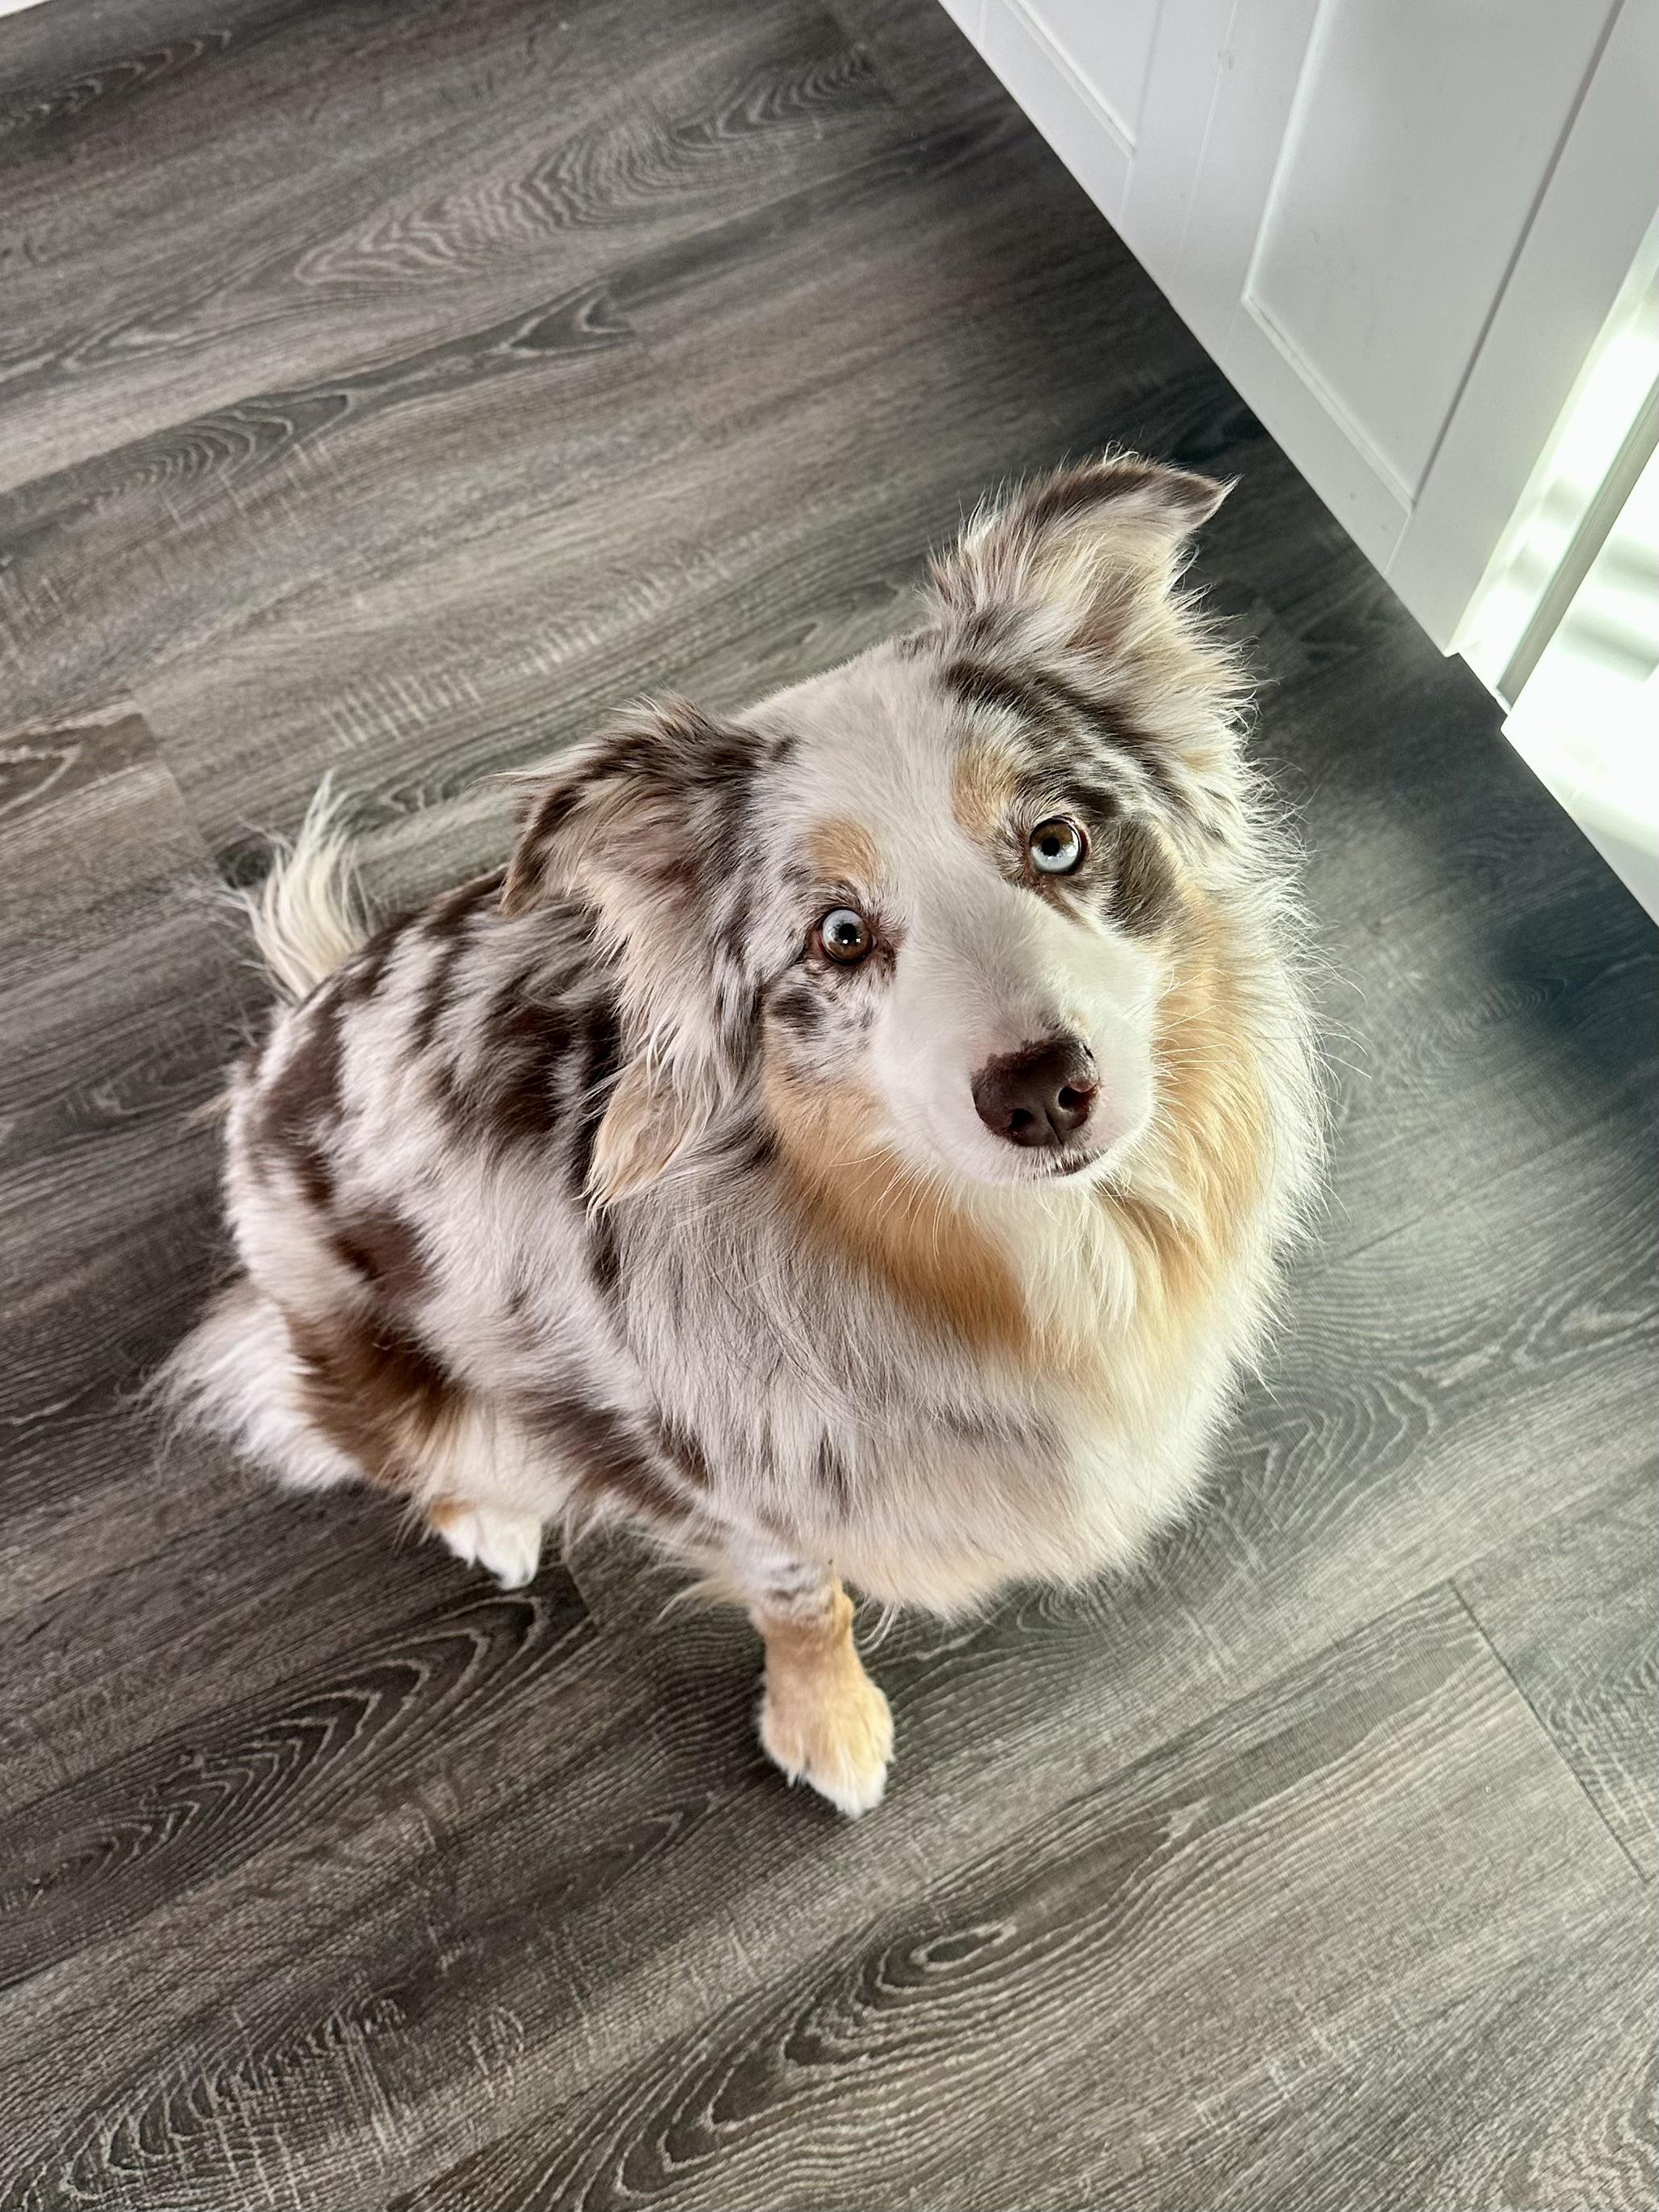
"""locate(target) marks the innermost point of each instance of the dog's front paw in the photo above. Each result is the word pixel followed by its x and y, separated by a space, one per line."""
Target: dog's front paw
pixel 506 1545
pixel 830 1727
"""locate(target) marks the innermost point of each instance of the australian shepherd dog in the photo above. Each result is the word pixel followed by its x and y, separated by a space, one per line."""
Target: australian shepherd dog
pixel 854 1142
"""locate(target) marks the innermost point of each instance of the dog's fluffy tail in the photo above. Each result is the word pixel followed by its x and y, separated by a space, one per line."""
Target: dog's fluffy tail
pixel 308 914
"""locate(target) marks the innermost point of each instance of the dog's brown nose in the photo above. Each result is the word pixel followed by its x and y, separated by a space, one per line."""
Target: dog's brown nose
pixel 1040 1096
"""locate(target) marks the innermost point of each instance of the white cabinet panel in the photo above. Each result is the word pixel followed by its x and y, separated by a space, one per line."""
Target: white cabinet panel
pixel 1421 133
pixel 1070 115
pixel 1108 45
pixel 1587 229
pixel 1365 210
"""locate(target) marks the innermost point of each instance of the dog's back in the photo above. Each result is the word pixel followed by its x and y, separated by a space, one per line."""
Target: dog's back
pixel 407 1155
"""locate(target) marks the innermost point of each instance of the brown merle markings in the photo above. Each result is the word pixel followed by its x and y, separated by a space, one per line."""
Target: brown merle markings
pixel 449 913
pixel 720 850
pixel 1077 491
pixel 639 800
pixel 601 1059
pixel 1133 878
pixel 833 1476
pixel 542 822
pixel 977 683
pixel 1052 706
pixel 728 866
pixel 376 1392
pixel 1098 802
pixel 1144 894
pixel 445 926
pixel 611 1461
pixel 298 1108
pixel 434 999
pixel 974 625
pixel 502 1084
pixel 1149 754
pixel 730 936
pixel 385 1252
pixel 522 1045
pixel 727 859
pixel 745 1146
pixel 685 1454
pixel 797 1006
pixel 359 977
pixel 604 1257
pixel 1049 510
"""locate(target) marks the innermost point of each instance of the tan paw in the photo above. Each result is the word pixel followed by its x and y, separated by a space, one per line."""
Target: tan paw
pixel 830 1727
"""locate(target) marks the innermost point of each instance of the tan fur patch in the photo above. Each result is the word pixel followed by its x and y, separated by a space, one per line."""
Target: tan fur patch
pixel 984 786
pixel 889 1224
pixel 823 1719
pixel 1214 1140
pixel 843 852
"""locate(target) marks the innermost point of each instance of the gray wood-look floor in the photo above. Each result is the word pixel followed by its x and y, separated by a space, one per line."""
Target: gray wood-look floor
pixel 395 388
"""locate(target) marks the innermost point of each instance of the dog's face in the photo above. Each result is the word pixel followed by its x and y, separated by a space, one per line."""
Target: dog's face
pixel 965 905
pixel 927 904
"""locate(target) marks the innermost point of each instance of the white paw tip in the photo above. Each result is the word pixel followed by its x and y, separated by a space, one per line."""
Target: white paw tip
pixel 850 1793
pixel 506 1545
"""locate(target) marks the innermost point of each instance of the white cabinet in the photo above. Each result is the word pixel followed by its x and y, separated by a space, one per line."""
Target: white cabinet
pixel 1396 224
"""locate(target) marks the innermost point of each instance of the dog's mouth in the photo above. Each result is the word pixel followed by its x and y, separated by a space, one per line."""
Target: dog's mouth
pixel 1072 1161
pixel 1100 1160
pixel 1029 1171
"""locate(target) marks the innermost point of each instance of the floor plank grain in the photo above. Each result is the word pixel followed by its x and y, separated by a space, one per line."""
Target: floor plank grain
pixel 1591 1675
pixel 1118 1942
pixel 210 194
pixel 398 390
pixel 1548 2066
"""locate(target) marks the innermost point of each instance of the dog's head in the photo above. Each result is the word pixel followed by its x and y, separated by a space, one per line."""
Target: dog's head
pixel 924 907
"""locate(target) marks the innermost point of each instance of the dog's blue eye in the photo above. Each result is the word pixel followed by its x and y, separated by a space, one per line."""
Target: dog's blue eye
pixel 844 935
pixel 1057 847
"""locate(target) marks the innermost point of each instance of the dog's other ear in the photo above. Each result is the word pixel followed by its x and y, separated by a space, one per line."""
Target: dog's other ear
pixel 1082 555
pixel 644 826
pixel 629 810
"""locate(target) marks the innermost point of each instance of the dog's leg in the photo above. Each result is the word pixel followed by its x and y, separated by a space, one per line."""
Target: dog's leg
pixel 506 1545
pixel 822 1718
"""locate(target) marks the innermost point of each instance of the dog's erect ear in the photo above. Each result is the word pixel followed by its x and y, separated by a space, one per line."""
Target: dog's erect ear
pixel 644 826
pixel 1081 555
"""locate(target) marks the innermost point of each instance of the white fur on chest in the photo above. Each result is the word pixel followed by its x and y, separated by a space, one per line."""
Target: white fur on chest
pixel 933 1474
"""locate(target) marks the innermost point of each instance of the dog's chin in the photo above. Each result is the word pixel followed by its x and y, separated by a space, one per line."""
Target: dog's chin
pixel 1071 1165
pixel 1008 1167
pixel 1066 1166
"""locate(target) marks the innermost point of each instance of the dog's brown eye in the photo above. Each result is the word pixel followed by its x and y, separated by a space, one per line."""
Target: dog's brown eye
pixel 1057 847
pixel 844 935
